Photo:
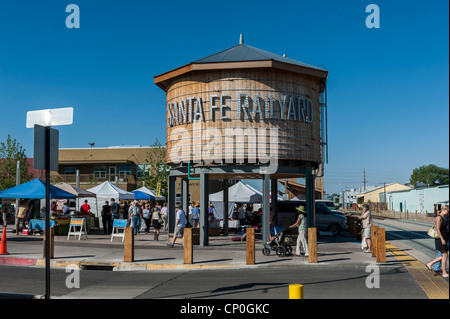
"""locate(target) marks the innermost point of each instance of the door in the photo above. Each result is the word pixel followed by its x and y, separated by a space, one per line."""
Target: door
pixel 112 173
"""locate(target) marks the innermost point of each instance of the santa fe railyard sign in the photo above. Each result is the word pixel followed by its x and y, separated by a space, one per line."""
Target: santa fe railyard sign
pixel 281 107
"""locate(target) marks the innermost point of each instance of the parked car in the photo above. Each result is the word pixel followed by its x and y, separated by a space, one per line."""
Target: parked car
pixel 326 220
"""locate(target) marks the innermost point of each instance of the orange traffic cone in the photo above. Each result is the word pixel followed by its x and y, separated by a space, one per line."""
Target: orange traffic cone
pixel 3 250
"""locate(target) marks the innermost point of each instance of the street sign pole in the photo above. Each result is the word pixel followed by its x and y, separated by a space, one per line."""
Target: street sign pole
pixel 42 121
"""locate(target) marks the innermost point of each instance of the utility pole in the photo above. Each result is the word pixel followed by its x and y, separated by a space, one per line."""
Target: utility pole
pixel 364 181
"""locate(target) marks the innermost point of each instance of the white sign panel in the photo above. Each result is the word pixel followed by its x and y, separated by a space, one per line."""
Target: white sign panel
pixel 50 117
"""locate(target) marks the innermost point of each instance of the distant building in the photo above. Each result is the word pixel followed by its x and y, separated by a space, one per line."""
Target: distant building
pixel 348 197
pixel 121 164
pixel 424 199
pixel 373 195
pixel 96 165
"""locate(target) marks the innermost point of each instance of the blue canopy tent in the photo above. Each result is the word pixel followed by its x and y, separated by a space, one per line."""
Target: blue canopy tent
pixel 142 195
pixel 35 189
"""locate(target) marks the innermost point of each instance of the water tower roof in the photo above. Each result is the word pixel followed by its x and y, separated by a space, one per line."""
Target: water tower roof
pixel 242 56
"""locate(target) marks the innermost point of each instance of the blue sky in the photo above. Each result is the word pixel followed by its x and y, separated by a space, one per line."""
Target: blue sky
pixel 388 98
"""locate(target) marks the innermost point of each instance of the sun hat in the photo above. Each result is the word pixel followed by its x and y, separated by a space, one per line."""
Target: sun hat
pixel 301 209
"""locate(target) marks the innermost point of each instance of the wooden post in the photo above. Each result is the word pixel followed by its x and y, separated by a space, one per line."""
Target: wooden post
pixel 128 251
pixel 407 214
pixel 381 245
pixel 312 245
pixel 250 238
pixel 188 252
pixel 426 214
pixel 374 238
pixel 416 214
pixel 52 242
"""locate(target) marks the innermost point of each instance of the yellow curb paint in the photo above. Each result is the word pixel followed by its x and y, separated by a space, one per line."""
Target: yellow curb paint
pixel 435 287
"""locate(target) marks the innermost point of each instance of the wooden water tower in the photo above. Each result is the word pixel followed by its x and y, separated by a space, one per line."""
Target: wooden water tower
pixel 245 113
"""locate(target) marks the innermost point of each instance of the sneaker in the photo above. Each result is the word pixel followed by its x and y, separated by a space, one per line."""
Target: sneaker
pixel 170 245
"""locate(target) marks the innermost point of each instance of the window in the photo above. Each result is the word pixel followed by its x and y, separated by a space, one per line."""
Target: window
pixel 141 169
pixel 100 171
pixel 70 170
pixel 124 170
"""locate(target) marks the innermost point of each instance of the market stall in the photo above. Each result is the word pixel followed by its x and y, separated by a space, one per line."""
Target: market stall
pixel 104 192
pixel 35 189
pixel 238 193
pixel 79 193
pixel 150 192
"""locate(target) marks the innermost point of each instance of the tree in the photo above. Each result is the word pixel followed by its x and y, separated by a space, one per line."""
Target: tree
pixel 156 170
pixel 10 153
pixel 431 175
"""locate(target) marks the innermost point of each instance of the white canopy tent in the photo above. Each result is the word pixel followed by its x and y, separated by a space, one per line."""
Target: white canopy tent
pixel 151 193
pixel 105 191
pixel 280 198
pixel 238 193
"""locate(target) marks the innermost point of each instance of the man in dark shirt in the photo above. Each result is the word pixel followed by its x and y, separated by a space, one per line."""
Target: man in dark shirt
pixel 114 209
pixel 106 218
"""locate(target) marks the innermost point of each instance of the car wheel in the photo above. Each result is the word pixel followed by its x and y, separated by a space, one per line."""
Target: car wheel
pixel 334 229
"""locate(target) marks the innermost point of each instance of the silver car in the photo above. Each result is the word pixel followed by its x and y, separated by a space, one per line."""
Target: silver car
pixel 326 220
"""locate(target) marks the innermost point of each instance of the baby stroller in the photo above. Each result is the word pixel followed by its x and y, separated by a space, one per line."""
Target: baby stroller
pixel 279 242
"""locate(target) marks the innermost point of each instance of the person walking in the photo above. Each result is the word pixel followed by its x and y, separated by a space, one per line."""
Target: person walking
pixel 437 267
pixel 85 213
pixel 147 218
pixel 6 209
pixel 165 216
pixel 180 223
pixel 367 225
pixel 126 208
pixel 21 215
pixel 135 216
pixel 302 241
pixel 106 218
pixel 155 223
pixel 196 214
pixel 114 210
pixel 441 243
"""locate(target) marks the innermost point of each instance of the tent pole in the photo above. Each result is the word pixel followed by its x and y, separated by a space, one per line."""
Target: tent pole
pixel 225 207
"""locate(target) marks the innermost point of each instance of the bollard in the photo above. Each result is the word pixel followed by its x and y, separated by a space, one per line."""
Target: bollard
pixel 416 214
pixel 426 214
pixel 250 238
pixel 188 252
pixel 295 291
pixel 51 238
pixel 381 245
pixel 128 245
pixel 373 235
pixel 312 245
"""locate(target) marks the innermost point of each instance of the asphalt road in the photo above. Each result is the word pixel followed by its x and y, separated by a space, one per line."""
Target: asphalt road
pixel 320 282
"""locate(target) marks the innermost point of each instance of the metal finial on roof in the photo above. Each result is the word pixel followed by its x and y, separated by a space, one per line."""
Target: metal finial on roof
pixel 241 39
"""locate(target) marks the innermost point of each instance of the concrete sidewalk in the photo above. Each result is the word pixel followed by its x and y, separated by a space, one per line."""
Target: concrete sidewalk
pixel 99 251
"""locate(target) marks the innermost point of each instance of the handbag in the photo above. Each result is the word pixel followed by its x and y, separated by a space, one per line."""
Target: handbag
pixel 432 232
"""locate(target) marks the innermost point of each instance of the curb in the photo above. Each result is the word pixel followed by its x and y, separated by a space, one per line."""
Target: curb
pixel 15 261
